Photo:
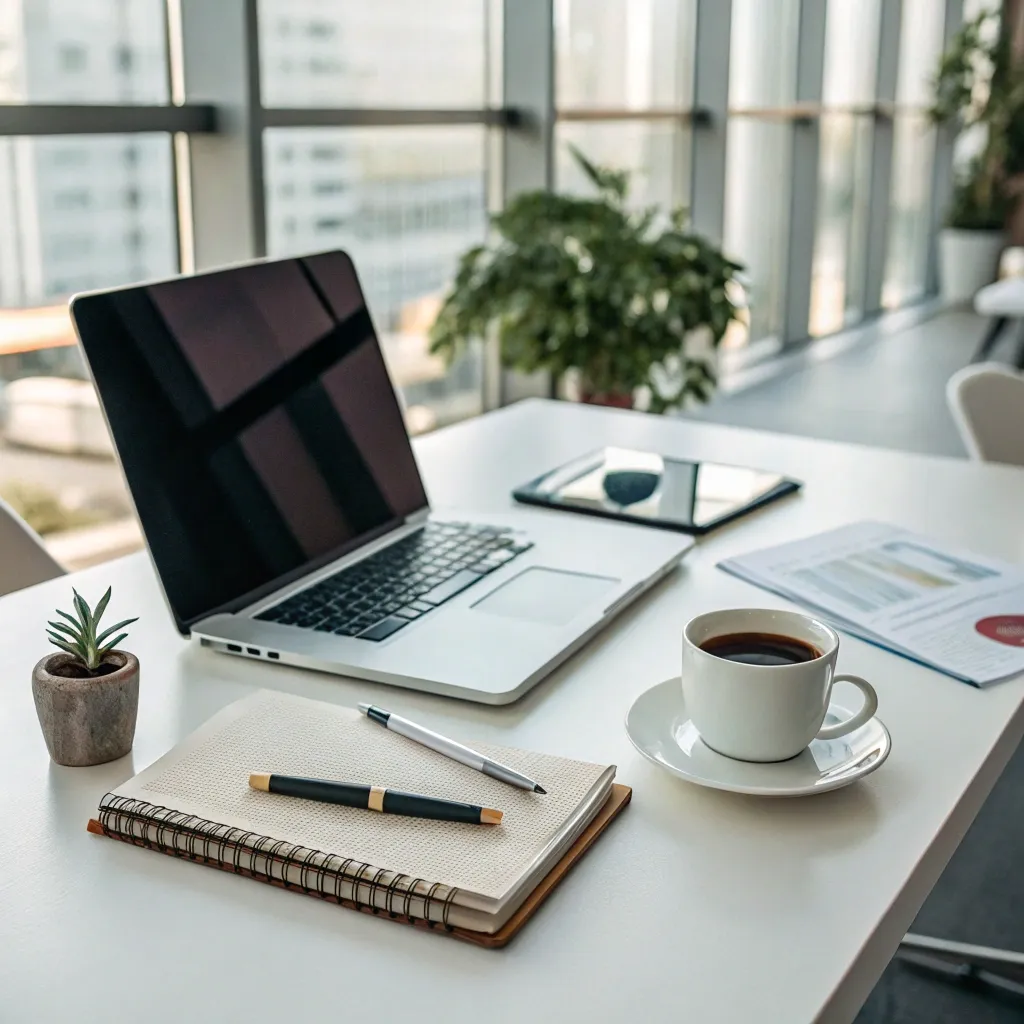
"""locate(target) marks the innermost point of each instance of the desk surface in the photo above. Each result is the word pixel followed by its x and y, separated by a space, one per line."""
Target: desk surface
pixel 696 904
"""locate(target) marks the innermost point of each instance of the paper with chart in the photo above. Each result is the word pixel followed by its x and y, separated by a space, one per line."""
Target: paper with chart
pixel 948 608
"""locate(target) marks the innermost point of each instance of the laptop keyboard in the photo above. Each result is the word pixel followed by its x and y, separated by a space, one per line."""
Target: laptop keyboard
pixel 395 586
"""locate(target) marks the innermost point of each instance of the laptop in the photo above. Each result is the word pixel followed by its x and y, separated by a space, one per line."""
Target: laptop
pixel 267 455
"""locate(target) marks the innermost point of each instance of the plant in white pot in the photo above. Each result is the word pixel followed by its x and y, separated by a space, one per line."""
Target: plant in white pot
pixel 979 89
pixel 87 696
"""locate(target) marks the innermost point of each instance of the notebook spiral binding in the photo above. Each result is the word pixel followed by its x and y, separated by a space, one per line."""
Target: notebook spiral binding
pixel 274 861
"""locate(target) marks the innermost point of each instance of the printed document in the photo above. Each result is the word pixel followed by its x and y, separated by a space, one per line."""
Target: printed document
pixel 952 610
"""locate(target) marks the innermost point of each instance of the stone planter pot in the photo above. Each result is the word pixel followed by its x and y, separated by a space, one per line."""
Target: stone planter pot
pixel 87 719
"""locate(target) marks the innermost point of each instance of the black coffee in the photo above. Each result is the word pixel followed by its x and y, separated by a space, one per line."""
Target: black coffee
pixel 760 649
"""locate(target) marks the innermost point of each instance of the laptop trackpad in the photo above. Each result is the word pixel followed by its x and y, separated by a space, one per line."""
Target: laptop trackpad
pixel 548 596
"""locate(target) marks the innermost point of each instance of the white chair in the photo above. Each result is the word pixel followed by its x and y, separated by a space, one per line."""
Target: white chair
pixel 987 403
pixel 1001 302
pixel 23 559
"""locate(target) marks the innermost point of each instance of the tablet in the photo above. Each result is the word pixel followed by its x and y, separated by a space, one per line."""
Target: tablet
pixel 655 490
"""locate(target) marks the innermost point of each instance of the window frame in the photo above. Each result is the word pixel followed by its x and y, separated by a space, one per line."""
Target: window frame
pixel 217 119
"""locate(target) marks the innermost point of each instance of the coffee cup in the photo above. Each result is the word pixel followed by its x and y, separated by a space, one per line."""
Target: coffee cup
pixel 757 682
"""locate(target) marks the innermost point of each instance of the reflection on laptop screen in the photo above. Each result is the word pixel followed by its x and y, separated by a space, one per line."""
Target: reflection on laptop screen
pixel 256 422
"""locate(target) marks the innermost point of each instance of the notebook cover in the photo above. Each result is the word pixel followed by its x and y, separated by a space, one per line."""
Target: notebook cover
pixel 618 798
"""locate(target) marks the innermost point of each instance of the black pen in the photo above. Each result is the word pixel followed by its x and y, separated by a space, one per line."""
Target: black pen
pixel 374 798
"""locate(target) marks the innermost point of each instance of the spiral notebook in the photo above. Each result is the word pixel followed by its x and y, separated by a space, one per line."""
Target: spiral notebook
pixel 480 883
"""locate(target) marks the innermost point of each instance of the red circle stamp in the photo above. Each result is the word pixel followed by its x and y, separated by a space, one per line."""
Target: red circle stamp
pixel 1004 629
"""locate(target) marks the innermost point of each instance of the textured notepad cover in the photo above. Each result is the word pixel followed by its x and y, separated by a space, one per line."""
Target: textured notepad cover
pixel 195 802
pixel 616 802
pixel 207 775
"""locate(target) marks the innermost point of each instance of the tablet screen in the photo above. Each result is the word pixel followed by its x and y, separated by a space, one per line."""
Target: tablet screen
pixel 644 486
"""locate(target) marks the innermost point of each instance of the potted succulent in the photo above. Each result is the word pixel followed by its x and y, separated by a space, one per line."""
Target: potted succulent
pixel 979 90
pixel 87 696
pixel 630 302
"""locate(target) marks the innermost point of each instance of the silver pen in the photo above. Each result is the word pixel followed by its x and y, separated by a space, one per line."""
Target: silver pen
pixel 456 751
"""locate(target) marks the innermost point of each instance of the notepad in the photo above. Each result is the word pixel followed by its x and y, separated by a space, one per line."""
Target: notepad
pixel 196 802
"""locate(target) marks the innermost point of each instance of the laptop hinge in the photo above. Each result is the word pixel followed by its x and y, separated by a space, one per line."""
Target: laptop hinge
pixel 417 517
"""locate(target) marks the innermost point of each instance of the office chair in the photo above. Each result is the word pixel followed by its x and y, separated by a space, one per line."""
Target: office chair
pixel 1001 302
pixel 23 559
pixel 987 403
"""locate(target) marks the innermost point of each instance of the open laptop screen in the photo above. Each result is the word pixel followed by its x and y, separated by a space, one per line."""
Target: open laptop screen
pixel 258 428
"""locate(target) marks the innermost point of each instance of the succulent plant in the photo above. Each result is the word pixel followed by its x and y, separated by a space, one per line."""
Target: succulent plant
pixel 80 638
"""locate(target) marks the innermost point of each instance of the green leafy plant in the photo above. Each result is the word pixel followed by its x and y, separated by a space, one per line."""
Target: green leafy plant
pixel 979 87
pixel 974 207
pixel 585 283
pixel 78 637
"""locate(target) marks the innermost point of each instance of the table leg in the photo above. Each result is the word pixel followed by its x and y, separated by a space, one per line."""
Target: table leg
pixel 1019 358
pixel 964 963
pixel 989 339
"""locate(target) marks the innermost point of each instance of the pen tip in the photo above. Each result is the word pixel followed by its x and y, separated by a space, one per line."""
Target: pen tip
pixel 540 789
pixel 363 707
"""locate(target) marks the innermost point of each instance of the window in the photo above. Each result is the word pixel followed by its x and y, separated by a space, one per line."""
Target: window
pixel 124 59
pixel 910 214
pixel 64 246
pixel 72 57
pixel 329 224
pixel 66 221
pixel 386 53
pixel 85 211
pixel 624 54
pixel 656 154
pixel 839 251
pixel 762 76
pixel 616 64
pixel 325 65
pixel 417 199
pixel 68 156
pixel 71 218
pixel 72 199
pixel 85 51
pixel 851 55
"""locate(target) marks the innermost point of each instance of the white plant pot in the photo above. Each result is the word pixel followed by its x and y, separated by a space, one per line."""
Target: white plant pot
pixel 968 260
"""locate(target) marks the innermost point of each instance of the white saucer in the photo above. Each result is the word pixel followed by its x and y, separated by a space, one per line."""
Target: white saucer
pixel 658 726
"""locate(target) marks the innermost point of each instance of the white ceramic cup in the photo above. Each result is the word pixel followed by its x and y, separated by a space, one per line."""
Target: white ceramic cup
pixel 764 712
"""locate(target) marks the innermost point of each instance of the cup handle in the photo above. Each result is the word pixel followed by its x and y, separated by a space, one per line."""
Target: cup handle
pixel 870 706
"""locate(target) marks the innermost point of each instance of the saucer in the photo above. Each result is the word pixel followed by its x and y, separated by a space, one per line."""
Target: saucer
pixel 658 726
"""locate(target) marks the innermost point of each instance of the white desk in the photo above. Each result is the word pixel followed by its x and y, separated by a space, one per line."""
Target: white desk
pixel 696 905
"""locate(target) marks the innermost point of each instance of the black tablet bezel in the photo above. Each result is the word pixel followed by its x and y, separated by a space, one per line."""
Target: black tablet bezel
pixel 527 494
